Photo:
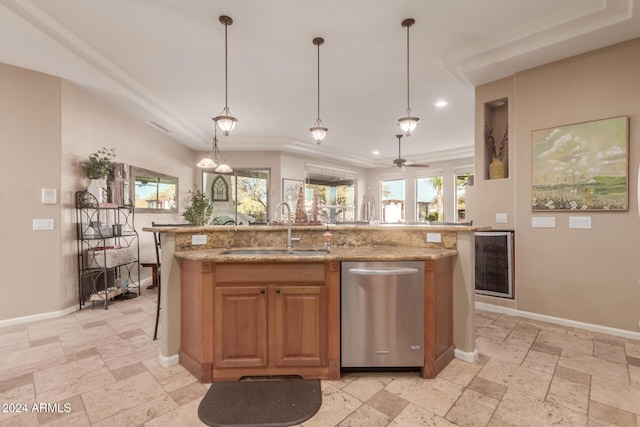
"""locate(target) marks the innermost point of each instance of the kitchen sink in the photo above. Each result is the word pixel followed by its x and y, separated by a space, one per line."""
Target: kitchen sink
pixel 275 252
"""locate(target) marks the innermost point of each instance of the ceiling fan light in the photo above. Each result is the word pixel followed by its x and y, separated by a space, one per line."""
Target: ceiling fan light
pixel 207 162
pixel 408 124
pixel 224 168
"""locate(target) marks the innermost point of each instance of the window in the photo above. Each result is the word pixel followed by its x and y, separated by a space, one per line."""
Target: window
pixel 464 178
pixel 240 197
pixel 429 206
pixel 393 200
pixel 153 191
pixel 334 192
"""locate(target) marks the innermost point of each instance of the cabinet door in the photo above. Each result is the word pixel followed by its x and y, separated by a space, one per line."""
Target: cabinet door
pixel 300 325
pixel 240 329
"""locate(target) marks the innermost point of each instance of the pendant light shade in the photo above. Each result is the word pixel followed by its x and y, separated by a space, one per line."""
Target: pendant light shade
pixel 318 131
pixel 224 168
pixel 408 123
pixel 225 121
pixel 207 162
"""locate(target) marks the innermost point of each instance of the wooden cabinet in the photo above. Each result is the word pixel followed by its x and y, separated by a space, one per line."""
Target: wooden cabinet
pixel 267 319
pixel 240 330
pixel 300 316
pixel 252 319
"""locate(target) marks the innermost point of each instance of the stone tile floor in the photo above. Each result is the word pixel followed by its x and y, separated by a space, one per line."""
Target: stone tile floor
pixel 101 367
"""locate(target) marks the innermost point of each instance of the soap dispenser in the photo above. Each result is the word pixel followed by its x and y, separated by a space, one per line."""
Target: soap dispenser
pixel 327 236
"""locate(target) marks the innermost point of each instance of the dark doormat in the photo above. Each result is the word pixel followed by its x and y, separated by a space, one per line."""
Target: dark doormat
pixel 261 402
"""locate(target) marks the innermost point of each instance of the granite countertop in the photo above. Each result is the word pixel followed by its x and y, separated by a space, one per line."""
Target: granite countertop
pixel 337 227
pixel 362 253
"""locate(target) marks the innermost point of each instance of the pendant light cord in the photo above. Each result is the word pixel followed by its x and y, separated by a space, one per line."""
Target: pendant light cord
pixel 408 108
pixel 226 103
pixel 318 81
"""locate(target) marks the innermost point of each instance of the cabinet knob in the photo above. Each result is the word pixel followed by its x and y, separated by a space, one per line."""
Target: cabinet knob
pixel 262 291
pixel 277 291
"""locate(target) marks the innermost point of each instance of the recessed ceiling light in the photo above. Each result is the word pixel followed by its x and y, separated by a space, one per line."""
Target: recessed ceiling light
pixel 376 152
pixel 441 104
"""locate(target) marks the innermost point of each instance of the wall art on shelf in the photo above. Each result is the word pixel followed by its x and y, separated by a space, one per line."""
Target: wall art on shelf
pixel 582 166
pixel 291 192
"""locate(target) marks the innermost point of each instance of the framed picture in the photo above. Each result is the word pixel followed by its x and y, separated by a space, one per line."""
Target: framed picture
pixel 291 192
pixel 582 166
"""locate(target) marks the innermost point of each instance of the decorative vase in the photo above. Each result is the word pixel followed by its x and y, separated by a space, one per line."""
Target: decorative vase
pixel 496 169
pixel 96 189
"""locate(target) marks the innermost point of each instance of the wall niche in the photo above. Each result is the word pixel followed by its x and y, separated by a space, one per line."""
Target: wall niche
pixel 496 139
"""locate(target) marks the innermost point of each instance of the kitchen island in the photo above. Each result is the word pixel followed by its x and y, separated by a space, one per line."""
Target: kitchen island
pixel 206 286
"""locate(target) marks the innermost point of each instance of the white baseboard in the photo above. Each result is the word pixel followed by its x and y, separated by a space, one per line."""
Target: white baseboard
pixel 168 361
pixel 467 356
pixel 558 320
pixel 39 316
pixel 51 314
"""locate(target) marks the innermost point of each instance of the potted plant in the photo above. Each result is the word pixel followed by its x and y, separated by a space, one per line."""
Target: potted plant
pixel 97 168
pixel 200 210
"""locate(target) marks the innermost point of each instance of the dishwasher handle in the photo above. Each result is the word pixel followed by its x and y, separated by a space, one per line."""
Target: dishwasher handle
pixel 383 271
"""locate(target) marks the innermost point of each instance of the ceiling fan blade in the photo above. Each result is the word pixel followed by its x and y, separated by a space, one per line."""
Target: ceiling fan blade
pixel 416 165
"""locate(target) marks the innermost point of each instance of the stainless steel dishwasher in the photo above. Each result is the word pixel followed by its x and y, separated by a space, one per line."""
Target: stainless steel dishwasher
pixel 382 312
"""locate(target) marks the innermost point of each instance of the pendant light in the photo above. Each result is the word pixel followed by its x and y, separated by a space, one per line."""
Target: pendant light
pixel 318 131
pixel 225 121
pixel 408 123
pixel 208 163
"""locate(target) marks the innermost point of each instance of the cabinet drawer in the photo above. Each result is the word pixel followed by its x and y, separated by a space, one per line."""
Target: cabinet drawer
pixel 269 273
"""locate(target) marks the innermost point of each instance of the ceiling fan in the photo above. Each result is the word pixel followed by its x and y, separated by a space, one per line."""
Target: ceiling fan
pixel 402 163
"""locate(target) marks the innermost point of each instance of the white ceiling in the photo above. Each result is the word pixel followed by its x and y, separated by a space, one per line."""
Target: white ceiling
pixel 163 61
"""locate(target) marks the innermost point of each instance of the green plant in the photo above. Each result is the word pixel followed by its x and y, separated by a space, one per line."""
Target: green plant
pixel 99 164
pixel 200 210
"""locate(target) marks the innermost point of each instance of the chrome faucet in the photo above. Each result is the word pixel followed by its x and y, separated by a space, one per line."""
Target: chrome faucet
pixel 289 239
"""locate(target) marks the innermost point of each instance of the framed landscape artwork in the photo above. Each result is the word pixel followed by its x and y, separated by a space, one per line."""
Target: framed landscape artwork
pixel 582 166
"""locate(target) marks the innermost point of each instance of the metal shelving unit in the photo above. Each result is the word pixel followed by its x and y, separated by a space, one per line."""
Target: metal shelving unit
pixel 108 250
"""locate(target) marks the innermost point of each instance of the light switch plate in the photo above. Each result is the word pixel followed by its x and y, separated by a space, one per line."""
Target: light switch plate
pixel 199 239
pixel 579 222
pixel 49 196
pixel 43 224
pixel 434 238
pixel 501 218
pixel 543 221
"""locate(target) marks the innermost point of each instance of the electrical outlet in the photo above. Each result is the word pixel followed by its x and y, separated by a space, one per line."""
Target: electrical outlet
pixel 199 239
pixel 434 238
pixel 501 218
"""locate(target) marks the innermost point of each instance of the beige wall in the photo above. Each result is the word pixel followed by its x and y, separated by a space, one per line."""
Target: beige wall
pixel 30 152
pixel 583 275
pixel 47 126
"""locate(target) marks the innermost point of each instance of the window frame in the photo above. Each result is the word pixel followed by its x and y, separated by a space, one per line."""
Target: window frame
pixel 232 189
pixel 461 170
pixel 393 177
pixel 136 171
pixel 431 173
